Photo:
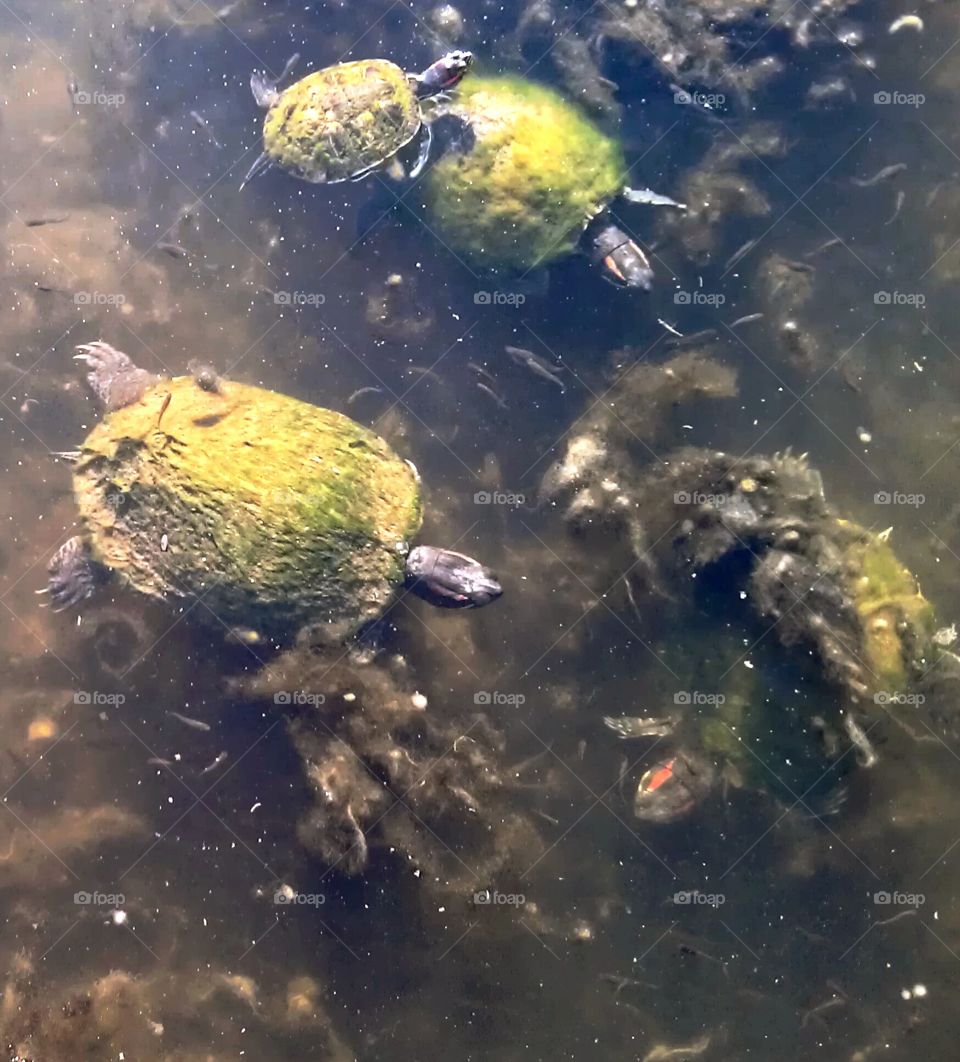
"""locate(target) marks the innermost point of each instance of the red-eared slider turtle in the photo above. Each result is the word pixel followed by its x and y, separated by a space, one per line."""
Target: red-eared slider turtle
pixel 529 181
pixel 276 515
pixel 345 121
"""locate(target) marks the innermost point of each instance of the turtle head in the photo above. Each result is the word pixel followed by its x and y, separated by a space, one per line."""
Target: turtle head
pixel 450 580
pixel 444 74
pixel 621 259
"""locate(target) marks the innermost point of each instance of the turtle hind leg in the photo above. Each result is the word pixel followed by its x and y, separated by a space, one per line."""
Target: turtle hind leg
pixel 74 574
pixel 113 377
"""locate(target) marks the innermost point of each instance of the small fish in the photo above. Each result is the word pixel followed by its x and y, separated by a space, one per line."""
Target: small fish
pixel 481 371
pixel 194 724
pixel 163 407
pixel 205 126
pixel 537 365
pixel 692 339
pixel 798 267
pixel 633 726
pixel 649 198
pixel 835 242
pixel 174 250
pixel 45 219
pixel 881 175
pixel 749 319
pixel 668 327
pixel 493 394
pixel 155 761
pixel 424 372
pixel 914 22
pixel 901 199
pixel 217 761
pixel 741 253
pixel 364 391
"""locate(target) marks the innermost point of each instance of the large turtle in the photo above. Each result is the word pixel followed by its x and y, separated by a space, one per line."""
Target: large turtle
pixel 274 515
pixel 529 180
pixel 345 121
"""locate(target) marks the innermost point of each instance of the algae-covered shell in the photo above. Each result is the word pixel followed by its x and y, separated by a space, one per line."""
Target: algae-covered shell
pixel 897 621
pixel 274 513
pixel 532 173
pixel 342 120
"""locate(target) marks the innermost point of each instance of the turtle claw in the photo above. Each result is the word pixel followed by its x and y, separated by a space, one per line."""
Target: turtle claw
pixel 74 575
pixel 113 377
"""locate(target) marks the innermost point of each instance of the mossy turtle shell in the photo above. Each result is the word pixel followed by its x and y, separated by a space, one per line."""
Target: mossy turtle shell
pixel 342 120
pixel 274 513
pixel 532 173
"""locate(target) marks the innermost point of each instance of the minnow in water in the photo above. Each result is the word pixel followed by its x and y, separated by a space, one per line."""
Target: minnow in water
pixel 173 249
pixel 537 365
pixel 205 126
pixel 194 724
pixel 45 219
pixel 749 319
pixel 364 391
pixel 741 253
pixel 493 394
pixel 881 175
pixel 835 242
pixel 217 761
pixel 901 198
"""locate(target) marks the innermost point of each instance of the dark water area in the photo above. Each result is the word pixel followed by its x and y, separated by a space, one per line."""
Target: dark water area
pixel 498 897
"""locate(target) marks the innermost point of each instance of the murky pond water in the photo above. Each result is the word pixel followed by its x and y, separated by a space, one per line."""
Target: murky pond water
pixel 428 838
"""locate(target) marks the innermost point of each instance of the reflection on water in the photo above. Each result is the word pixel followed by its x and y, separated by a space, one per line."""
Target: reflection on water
pixel 426 841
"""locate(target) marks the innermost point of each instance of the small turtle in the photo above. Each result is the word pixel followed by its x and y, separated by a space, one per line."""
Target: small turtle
pixel 528 180
pixel 276 516
pixel 345 121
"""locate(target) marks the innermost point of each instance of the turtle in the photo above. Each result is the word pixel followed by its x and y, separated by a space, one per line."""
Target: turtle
pixel 528 179
pixel 279 517
pixel 345 121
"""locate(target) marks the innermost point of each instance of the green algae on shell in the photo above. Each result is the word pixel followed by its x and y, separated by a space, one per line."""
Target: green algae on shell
pixel 535 174
pixel 275 513
pixel 339 121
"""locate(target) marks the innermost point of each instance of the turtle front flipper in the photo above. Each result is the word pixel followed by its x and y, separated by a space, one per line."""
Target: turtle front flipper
pixel 264 87
pixel 113 377
pixel 74 574
pixel 450 580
